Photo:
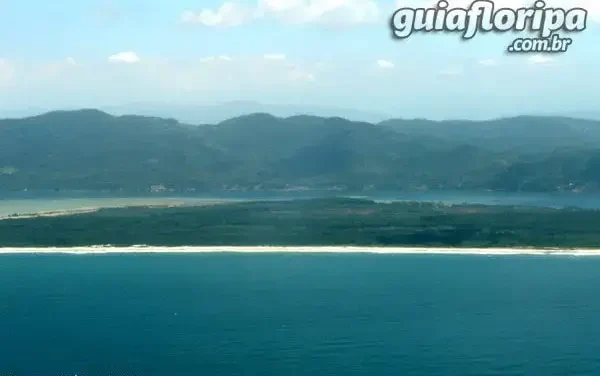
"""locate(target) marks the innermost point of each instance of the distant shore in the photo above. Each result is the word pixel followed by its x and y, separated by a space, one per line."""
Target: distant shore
pixel 318 226
pixel 91 250
pixel 52 213
pixel 113 205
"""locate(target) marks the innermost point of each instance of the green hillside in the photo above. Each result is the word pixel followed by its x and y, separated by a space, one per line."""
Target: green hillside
pixel 89 149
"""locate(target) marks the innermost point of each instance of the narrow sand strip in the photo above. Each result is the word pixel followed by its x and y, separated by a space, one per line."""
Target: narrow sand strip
pixel 87 210
pixel 53 213
pixel 317 249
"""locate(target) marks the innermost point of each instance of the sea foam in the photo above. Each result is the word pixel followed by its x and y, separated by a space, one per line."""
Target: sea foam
pixel 110 249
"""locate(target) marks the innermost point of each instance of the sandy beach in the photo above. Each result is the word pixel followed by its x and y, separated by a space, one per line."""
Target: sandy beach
pixel 52 213
pixel 104 204
pixel 90 250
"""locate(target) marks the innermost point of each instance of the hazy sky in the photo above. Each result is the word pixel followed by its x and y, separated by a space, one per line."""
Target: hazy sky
pixel 87 53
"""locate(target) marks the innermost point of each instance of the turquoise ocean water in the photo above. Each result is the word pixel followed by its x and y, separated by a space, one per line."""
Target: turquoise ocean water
pixel 298 314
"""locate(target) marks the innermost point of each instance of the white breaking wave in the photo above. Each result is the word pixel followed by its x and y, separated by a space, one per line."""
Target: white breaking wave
pixel 109 249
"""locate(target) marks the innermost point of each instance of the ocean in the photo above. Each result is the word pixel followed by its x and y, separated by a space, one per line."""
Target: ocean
pixel 298 314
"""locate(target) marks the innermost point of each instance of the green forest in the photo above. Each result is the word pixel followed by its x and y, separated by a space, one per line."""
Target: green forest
pixel 92 150
pixel 313 222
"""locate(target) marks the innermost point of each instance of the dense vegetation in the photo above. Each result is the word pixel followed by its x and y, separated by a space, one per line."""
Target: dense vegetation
pixel 313 222
pixel 89 149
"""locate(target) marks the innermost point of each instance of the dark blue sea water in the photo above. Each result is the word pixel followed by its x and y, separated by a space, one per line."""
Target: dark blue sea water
pixel 277 314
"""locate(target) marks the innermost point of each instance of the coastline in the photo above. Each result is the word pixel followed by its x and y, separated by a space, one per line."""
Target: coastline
pixel 50 213
pixel 142 249
pixel 124 205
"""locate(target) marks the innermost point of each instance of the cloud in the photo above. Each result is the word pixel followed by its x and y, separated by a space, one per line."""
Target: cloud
pixel 592 6
pixel 539 59
pixel 95 83
pixel 228 14
pixel 70 61
pixel 325 79
pixel 128 57
pixel 274 57
pixel 342 13
pixel 329 12
pixel 385 64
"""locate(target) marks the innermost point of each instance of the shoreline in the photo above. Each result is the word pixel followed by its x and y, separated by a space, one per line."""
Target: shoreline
pixel 138 249
pixel 50 213
pixel 94 209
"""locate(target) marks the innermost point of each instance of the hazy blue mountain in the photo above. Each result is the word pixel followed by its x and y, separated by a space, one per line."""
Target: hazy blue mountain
pixel 523 133
pixel 210 114
pixel 591 115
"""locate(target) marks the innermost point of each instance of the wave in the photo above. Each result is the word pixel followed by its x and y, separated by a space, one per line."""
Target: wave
pixel 111 249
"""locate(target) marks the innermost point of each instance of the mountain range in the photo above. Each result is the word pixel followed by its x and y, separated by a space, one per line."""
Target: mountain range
pixel 91 149
pixel 210 114
pixel 197 113
pixel 215 113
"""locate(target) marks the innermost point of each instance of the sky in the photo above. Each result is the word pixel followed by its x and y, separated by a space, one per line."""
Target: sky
pixel 339 53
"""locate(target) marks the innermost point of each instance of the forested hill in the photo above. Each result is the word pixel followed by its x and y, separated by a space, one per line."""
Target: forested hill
pixel 89 149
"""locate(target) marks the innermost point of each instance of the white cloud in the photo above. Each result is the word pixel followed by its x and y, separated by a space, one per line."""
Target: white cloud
pixel 99 83
pixel 70 61
pixel 274 57
pixel 128 57
pixel 592 6
pixel 228 14
pixel 57 83
pixel 386 64
pixel 342 12
pixel 539 59
pixel 330 12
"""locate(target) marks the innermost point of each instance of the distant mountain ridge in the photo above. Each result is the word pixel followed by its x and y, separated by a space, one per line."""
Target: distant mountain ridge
pixel 91 149
pixel 210 114
pixel 216 113
pixel 539 132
